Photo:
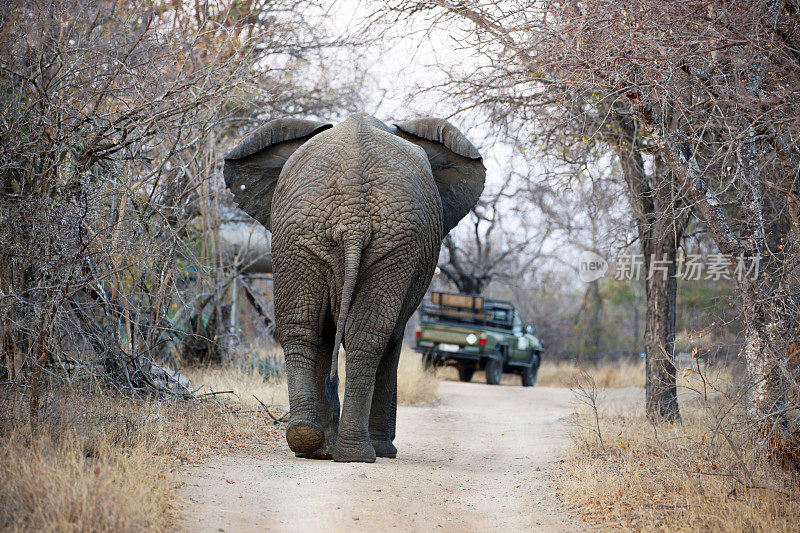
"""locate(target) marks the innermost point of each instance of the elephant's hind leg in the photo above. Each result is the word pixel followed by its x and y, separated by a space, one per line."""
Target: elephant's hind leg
pixel 327 400
pixel 383 414
pixel 370 324
pixel 300 311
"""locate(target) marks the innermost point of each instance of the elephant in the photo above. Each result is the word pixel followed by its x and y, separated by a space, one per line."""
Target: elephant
pixel 358 212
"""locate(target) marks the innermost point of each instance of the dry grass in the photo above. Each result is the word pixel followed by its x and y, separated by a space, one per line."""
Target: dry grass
pixel 609 374
pixel 687 476
pixel 245 384
pixel 415 385
pixel 105 463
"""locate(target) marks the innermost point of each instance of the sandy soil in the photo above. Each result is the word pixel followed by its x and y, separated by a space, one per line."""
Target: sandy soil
pixel 481 460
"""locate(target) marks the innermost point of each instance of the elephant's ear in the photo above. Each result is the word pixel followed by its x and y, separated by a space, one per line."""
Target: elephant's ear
pixel 252 168
pixel 456 164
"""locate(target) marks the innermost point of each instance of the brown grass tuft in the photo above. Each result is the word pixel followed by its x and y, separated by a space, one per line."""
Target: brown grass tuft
pixel 63 485
pixel 415 385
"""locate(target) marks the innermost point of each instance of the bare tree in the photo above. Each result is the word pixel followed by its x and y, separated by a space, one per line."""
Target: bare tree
pixel 718 97
pixel 110 118
pixel 487 249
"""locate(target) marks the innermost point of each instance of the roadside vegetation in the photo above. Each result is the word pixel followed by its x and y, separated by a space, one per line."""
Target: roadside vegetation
pixel 671 478
pixel 415 385
pixel 609 374
pixel 701 474
pixel 104 462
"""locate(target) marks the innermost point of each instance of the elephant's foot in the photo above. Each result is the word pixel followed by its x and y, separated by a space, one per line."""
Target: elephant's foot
pixel 384 448
pixel 304 437
pixel 359 452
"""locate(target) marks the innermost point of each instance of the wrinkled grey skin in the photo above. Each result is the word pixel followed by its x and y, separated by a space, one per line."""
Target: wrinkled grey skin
pixel 357 213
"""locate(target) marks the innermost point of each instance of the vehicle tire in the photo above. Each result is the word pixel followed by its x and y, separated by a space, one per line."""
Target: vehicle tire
pixel 530 372
pixel 494 371
pixel 465 373
pixel 427 361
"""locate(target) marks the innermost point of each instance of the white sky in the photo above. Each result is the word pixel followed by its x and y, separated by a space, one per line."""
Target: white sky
pixel 403 64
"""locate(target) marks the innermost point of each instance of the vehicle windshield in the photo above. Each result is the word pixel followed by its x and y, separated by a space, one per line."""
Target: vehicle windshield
pixel 490 316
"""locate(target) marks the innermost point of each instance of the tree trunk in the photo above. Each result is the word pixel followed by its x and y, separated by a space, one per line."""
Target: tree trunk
pixel 771 354
pixel 660 248
pixel 594 304
pixel 661 394
pixel 660 224
pixel 763 398
pixel 467 283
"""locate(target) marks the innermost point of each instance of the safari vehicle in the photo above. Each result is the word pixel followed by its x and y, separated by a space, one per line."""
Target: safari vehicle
pixel 473 333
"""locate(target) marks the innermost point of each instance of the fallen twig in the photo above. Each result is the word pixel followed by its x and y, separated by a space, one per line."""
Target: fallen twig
pixel 214 393
pixel 277 421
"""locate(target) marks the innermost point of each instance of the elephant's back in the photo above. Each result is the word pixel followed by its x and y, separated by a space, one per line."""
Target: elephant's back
pixel 358 176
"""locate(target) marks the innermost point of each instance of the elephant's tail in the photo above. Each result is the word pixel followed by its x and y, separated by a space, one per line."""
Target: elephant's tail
pixel 352 259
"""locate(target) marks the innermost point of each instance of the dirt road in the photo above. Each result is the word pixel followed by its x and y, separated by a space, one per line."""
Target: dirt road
pixel 481 460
